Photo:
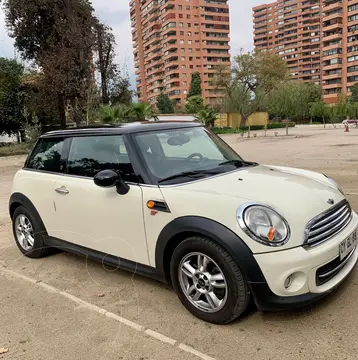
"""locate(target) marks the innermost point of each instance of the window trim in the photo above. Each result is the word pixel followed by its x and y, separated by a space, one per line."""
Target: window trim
pixel 131 154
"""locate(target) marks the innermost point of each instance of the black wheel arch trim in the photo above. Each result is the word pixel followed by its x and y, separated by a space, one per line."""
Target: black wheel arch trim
pixel 22 200
pixel 217 232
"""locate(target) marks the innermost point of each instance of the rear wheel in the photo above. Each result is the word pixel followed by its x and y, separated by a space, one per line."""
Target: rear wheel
pixel 29 234
pixel 208 281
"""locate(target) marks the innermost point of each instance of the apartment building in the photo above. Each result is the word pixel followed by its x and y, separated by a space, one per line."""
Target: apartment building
pixel 292 29
pixel 340 47
pixel 317 39
pixel 174 38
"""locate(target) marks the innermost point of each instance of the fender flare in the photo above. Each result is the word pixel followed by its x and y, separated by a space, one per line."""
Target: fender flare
pixel 176 231
pixel 18 199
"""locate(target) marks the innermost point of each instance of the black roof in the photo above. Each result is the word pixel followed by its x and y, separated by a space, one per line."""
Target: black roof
pixel 126 128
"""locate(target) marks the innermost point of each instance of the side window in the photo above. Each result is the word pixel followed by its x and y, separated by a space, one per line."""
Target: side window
pixel 46 156
pixel 90 155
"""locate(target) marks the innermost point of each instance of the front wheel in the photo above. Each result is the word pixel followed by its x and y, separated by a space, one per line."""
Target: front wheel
pixel 208 281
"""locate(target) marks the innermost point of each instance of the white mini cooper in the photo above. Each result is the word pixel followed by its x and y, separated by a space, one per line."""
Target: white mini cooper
pixel 174 202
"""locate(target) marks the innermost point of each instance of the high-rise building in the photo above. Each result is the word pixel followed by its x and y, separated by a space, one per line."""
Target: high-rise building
pixel 318 39
pixel 340 47
pixel 292 29
pixel 173 39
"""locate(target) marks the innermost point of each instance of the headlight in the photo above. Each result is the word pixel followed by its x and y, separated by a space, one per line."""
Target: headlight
pixel 334 184
pixel 263 224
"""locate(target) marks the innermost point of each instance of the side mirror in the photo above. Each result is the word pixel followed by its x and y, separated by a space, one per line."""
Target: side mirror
pixel 110 178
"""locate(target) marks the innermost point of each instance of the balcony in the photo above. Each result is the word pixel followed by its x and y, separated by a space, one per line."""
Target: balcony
pixel 332 5
pixel 167 4
pixel 331 27
pixel 330 37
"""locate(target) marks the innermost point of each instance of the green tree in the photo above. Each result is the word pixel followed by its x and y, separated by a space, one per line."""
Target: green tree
pixel 164 104
pixel 194 104
pixel 207 116
pixel 195 85
pixel 320 110
pixel 11 104
pixel 292 100
pixel 143 111
pixel 247 86
pixel 59 38
pixel 354 90
pixel 259 71
pixel 340 110
pixel 116 114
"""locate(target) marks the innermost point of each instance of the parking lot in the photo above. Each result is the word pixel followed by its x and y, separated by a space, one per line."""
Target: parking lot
pixel 66 307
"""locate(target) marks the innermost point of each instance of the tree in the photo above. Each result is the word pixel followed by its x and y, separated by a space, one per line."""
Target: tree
pixel 247 86
pixel 164 104
pixel 11 104
pixel 354 90
pixel 207 116
pixel 195 85
pixel 116 114
pixel 194 104
pixel 259 71
pixel 37 100
pixel 105 42
pixel 58 37
pixel 115 88
pixel 119 89
pixel 292 100
pixel 320 110
pixel 143 112
pixel 340 110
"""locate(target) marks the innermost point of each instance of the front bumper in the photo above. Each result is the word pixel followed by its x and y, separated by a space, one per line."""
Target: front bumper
pixel 304 263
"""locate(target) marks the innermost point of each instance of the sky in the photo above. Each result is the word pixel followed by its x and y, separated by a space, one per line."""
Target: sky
pixel 115 13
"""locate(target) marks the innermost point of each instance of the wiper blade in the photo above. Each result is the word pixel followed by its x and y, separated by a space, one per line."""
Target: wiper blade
pixel 237 162
pixel 189 174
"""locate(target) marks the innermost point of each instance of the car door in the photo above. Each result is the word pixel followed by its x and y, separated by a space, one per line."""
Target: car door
pixel 100 218
pixel 36 181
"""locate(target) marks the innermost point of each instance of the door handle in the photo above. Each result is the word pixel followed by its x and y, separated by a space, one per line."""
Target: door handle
pixel 62 190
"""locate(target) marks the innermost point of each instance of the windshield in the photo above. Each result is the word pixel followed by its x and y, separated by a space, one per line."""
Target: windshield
pixel 174 156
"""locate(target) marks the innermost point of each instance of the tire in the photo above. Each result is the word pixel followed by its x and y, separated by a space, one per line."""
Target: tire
pixel 233 294
pixel 38 248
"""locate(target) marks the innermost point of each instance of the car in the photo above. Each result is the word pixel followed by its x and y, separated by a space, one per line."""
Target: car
pixel 172 201
pixel 350 122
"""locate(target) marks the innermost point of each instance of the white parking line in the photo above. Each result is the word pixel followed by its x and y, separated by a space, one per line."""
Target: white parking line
pixel 92 307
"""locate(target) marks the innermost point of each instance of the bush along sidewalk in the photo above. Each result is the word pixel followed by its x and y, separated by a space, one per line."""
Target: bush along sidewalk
pixel 242 129
pixel 15 149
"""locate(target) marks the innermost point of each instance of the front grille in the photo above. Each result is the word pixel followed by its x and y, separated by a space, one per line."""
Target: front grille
pixel 328 224
pixel 330 270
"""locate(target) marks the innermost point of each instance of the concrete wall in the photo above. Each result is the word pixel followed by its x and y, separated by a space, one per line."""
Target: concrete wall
pixel 233 120
pixel 7 139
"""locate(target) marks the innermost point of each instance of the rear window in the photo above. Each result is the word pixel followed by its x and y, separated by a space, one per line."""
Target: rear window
pixel 46 156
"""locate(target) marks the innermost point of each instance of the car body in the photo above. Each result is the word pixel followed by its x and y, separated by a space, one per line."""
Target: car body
pixel 350 122
pixel 174 202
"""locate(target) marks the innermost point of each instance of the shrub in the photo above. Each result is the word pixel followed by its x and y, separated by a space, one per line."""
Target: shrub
pixel 14 149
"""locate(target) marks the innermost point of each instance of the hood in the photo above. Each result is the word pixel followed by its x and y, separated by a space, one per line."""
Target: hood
pixel 297 195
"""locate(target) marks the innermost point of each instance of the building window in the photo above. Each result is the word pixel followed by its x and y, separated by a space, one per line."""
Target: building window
pixel 353 17
pixel 352 48
pixel 353 7
pixel 353 58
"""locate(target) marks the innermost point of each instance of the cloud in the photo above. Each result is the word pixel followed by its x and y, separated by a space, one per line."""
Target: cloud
pixel 116 15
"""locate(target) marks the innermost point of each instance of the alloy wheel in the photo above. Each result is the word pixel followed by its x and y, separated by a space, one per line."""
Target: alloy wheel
pixel 203 282
pixel 24 232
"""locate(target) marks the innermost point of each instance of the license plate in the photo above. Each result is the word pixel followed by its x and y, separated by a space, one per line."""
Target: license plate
pixel 347 245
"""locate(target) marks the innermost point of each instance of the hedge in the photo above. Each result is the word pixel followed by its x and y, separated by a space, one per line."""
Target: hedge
pixel 241 129
pixel 14 149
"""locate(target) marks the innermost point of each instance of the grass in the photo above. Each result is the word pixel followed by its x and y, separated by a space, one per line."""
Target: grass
pixel 14 149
